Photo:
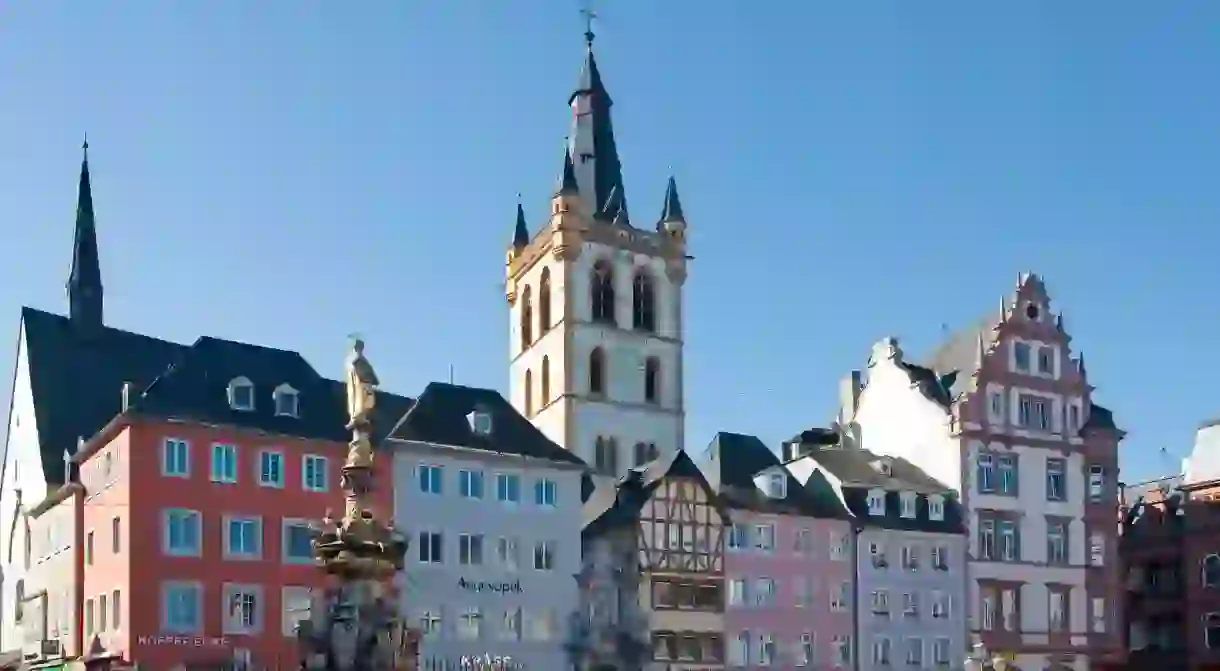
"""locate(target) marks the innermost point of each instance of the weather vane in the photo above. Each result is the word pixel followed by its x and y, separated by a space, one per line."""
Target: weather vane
pixel 590 14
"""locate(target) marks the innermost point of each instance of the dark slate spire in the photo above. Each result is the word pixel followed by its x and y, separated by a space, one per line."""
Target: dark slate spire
pixel 521 232
pixel 594 153
pixel 673 205
pixel 567 180
pixel 85 280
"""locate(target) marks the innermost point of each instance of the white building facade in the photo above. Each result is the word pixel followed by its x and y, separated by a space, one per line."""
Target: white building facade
pixel 1003 415
pixel 596 306
pixel 493 511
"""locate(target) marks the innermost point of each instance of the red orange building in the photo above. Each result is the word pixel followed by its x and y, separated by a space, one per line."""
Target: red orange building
pixel 178 484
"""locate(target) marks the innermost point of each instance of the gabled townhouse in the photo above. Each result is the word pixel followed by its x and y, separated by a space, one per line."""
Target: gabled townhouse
pixel 787 561
pixel 1003 414
pixel 493 510
pixel 910 554
pixel 654 570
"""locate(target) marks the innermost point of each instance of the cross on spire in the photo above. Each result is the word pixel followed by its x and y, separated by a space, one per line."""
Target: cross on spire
pixel 590 14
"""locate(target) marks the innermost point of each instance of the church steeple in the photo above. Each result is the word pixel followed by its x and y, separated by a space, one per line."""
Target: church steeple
pixel 598 170
pixel 85 279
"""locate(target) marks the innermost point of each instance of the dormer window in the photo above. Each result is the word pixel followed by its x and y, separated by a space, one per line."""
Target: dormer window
pixel 241 394
pixel 480 422
pixel 936 508
pixel 776 485
pixel 883 467
pixel 287 401
pixel 876 502
pixel 908 505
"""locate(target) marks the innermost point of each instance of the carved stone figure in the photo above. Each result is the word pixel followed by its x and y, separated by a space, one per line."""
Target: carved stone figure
pixel 362 386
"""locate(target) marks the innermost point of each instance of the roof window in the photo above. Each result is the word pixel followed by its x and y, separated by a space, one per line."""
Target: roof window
pixel 241 394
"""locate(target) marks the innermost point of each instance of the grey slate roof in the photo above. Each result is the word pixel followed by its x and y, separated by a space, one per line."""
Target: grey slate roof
pixel 439 417
pixel 953 522
pixel 77 380
pixel 856 467
pixel 611 506
pixel 731 462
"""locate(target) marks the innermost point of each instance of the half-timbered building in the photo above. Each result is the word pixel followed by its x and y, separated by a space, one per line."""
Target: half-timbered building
pixel 653 570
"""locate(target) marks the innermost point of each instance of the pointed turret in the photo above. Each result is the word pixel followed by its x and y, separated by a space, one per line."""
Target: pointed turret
pixel 567 178
pixel 672 211
pixel 981 355
pixel 85 279
pixel 594 154
pixel 521 232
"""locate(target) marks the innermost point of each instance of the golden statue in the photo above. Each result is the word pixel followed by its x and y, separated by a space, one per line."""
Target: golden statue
pixel 361 386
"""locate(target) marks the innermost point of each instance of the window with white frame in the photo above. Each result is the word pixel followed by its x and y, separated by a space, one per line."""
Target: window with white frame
pixel 908 505
pixel 842 650
pixel 997 407
pixel 1010 541
pixel 801 591
pixel 881 651
pixel 766 649
pixel 738 537
pixel 176 458
pixel 987 539
pixel 243 537
pixel 940 651
pixel 1020 356
pixel 876 554
pixel 545 492
pixel 1006 466
pixel 470 624
pixel 940 558
pixel 431 547
pixel 224 463
pixel 802 542
pixel 804 651
pixel 510 625
pixel 243 609
pixel 1097 483
pixel 776 485
pixel 764 537
pixel 739 655
pixel 987 609
pixel 508 488
pixel 295 605
pixel 839 598
pixel 431 479
pixel 940 605
pixel 936 508
pixel 544 556
pixel 431 623
pixel 880 600
pixel 839 545
pixel 1008 609
pixel 1097 550
pixel 181 532
pixel 1046 361
pixel 1056 543
pixel 764 592
pixel 986 473
pixel 271 468
pixel 876 502
pixel 470 549
pixel 297 536
pixel 506 553
pixel 910 604
pixel 470 483
pixel 1057 611
pixel 910 557
pixel 1056 479
pixel 1099 615
pixel 241 394
pixel 1073 418
pixel 738 591
pixel 287 401
pixel 181 607
pixel 914 651
pixel 315 473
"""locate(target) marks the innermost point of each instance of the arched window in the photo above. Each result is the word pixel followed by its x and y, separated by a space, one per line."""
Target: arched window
pixel 527 320
pixel 644 453
pixel 544 301
pixel 529 393
pixel 546 380
pixel 1211 571
pixel 602 292
pixel 652 380
pixel 1211 630
pixel 643 302
pixel 597 371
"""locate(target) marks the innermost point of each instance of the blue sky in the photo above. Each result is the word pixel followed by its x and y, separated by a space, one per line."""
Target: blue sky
pixel 287 173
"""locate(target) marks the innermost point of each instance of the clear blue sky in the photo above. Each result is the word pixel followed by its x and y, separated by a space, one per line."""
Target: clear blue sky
pixel 288 172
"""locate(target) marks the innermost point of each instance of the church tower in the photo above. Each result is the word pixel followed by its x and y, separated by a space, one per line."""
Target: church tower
pixel 596 304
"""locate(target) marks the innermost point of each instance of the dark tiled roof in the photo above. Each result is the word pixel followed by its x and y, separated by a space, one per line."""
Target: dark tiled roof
pixel 939 388
pixel 440 417
pixel 953 523
pixel 731 462
pixel 959 352
pixel 1099 418
pixel 77 380
pixel 857 467
pixel 611 506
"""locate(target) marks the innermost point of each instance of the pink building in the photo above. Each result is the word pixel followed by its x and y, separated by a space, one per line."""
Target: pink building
pixel 788 564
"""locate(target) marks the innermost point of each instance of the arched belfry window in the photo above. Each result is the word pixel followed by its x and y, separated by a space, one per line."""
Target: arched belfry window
pixel 601 287
pixel 527 319
pixel 605 456
pixel 544 302
pixel 597 371
pixel 643 302
pixel 652 380
pixel 529 393
pixel 545 396
pixel 1211 571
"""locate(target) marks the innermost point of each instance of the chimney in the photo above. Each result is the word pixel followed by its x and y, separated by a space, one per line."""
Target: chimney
pixel 849 396
pixel 126 396
pixel 790 450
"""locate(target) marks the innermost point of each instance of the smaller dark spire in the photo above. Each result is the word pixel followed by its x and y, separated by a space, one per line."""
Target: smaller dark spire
pixel 673 205
pixel 85 278
pixel 521 232
pixel 567 179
